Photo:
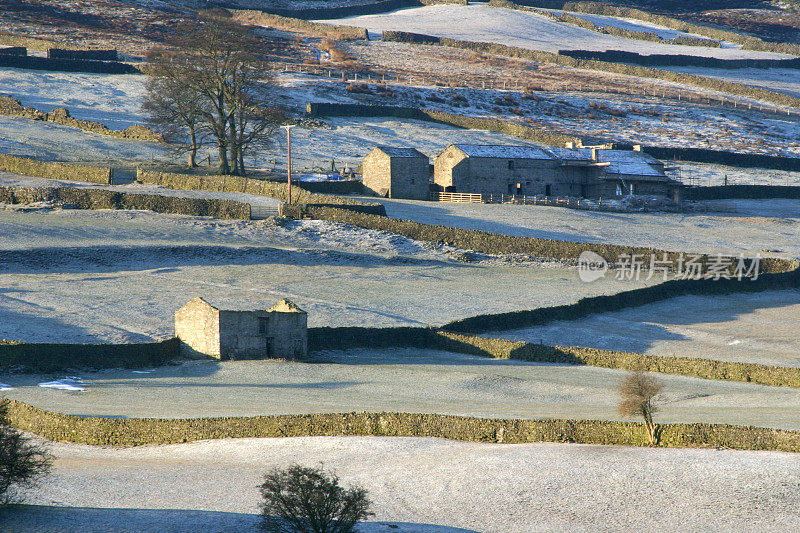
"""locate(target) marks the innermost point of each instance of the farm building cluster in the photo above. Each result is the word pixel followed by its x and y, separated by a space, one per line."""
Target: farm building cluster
pixel 495 170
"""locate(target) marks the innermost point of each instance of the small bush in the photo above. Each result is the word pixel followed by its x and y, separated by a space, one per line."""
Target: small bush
pixel 301 499
pixel 22 462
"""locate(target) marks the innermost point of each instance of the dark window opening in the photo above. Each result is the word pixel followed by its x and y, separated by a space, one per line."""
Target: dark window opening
pixel 547 190
pixel 263 325
pixel 511 164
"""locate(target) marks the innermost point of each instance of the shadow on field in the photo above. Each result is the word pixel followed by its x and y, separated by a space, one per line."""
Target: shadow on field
pixel 32 322
pixel 104 259
pixel 47 519
pixel 639 329
pixel 429 213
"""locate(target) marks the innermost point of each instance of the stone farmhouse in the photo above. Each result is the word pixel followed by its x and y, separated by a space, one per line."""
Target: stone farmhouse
pixel 588 172
pixel 394 172
pixel 205 329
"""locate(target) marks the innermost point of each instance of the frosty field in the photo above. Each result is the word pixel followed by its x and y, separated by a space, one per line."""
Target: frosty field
pixel 404 380
pixel 418 483
pixel 56 290
pixel 753 328
pixel 733 226
pixel 526 30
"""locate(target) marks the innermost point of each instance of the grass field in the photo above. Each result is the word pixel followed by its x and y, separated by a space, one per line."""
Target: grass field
pixel 420 486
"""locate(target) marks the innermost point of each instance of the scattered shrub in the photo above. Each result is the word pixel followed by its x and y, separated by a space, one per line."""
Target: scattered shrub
pixel 302 499
pixel 358 88
pixel 22 462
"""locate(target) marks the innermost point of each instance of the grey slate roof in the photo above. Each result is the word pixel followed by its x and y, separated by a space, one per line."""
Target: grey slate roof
pixel 400 151
pixel 625 162
pixel 503 151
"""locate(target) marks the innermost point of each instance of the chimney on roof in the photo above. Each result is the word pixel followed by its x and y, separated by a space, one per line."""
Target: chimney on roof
pixel 570 145
pixel 594 154
pixel 637 147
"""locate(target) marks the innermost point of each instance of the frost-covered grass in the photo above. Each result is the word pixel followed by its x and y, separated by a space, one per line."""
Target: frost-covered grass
pixel 53 142
pixel 526 30
pixel 407 380
pixel 753 328
pixel 775 79
pixel 636 25
pixel 414 483
pixel 743 226
pixel 118 276
pixel 112 99
pixel 705 174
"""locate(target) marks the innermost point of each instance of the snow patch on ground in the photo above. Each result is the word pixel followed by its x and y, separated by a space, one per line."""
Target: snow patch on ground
pixel 73 384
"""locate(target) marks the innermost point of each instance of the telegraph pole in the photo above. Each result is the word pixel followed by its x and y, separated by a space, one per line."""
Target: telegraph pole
pixel 288 128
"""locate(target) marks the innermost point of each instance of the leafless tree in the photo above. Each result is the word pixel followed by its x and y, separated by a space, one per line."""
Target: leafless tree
pixel 637 392
pixel 213 66
pixel 311 500
pixel 173 108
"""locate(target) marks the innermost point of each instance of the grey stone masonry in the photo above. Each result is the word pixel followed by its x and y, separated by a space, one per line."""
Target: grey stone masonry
pixel 394 172
pixel 206 330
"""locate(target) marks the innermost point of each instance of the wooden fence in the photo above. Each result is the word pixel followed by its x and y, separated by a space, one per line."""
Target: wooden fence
pixel 642 87
pixel 519 199
pixel 459 198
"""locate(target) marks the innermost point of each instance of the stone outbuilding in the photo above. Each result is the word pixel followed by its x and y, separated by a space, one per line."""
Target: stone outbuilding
pixel 586 172
pixel 498 169
pixel 278 332
pixel 395 172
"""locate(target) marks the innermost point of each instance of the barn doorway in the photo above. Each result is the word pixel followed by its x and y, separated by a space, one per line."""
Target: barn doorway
pixel 548 191
pixel 270 346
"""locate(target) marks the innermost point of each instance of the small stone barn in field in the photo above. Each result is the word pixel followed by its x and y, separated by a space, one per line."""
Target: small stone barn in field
pixel 394 172
pixel 281 331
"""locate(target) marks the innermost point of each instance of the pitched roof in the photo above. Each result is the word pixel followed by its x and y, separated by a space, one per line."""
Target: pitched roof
pixel 285 306
pixel 504 151
pixel 625 162
pixel 400 151
pixel 230 304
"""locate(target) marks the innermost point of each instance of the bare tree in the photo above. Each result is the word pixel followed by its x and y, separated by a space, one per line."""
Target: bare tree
pixel 637 392
pixel 22 462
pixel 213 62
pixel 173 108
pixel 309 500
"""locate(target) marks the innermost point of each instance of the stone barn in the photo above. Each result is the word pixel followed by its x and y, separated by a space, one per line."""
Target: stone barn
pixel 394 172
pixel 623 172
pixel 279 332
pixel 586 172
pixel 498 169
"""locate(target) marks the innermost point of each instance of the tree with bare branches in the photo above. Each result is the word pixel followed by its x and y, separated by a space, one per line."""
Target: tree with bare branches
pixel 637 393
pixel 212 80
